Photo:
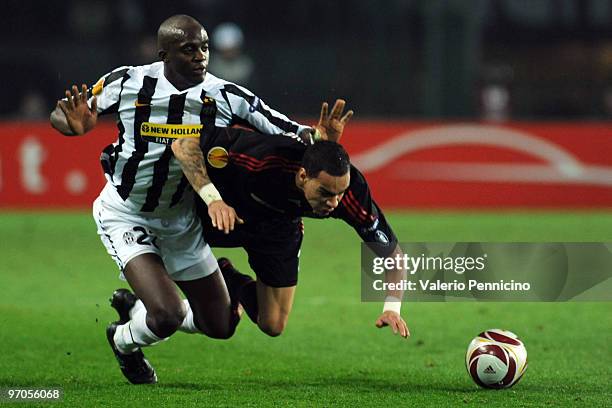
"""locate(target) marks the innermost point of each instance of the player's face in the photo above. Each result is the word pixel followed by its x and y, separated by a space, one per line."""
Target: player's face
pixel 324 192
pixel 187 57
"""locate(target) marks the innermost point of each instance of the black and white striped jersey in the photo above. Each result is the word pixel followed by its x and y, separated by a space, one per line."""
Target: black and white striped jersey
pixel 151 113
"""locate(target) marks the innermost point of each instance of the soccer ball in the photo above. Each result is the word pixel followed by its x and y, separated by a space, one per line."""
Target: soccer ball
pixel 496 359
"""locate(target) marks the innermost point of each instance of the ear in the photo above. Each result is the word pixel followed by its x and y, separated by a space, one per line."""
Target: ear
pixel 301 177
pixel 162 55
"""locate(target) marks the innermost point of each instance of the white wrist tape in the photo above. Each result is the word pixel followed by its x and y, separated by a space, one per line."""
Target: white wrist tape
pixel 392 304
pixel 209 193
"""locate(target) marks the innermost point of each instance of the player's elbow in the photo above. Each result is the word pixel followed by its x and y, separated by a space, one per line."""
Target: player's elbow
pixel 177 149
pixel 182 147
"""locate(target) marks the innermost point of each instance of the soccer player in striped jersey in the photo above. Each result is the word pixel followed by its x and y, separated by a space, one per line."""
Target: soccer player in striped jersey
pixel 271 182
pixel 145 213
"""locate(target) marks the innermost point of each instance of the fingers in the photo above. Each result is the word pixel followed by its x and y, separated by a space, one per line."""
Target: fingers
pixel 223 217
pixel 213 217
pixel 74 98
pixel 397 324
pixel 62 106
pixel 69 101
pixel 346 117
pixel 323 115
pixel 84 93
pixel 404 329
pixel 75 95
pixel 228 222
pixel 380 323
pixel 337 109
pixel 394 326
pixel 94 105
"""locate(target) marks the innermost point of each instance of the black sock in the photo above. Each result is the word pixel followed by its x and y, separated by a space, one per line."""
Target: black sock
pixel 248 300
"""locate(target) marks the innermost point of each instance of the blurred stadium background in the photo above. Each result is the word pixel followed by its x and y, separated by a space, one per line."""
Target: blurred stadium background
pixel 532 80
pixel 403 59
pixel 475 120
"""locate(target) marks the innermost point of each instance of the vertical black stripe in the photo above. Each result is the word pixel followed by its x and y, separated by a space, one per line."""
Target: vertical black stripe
pixel 208 114
pixel 161 168
pixel 176 106
pixel 142 114
pixel 109 79
pixel 180 190
pixel 111 153
pixel 121 128
pixel 119 146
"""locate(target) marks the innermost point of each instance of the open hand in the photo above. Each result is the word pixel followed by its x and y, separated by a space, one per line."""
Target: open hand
pixel 79 117
pixel 331 126
pixel 223 216
pixel 398 325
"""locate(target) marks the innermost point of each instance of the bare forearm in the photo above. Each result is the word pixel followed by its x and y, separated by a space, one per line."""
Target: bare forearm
pixel 188 153
pixel 396 276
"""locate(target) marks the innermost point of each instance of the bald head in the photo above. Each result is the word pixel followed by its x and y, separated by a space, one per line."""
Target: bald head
pixel 183 47
pixel 176 29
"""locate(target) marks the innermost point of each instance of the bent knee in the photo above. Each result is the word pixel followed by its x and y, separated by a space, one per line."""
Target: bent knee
pixel 166 320
pixel 217 331
pixel 272 327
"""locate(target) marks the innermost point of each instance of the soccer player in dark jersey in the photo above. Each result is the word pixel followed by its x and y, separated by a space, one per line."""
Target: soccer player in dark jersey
pixel 271 182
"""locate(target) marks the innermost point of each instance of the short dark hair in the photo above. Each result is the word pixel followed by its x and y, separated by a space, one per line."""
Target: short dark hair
pixel 326 156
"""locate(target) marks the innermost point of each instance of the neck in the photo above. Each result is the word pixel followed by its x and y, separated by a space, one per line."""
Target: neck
pixel 177 81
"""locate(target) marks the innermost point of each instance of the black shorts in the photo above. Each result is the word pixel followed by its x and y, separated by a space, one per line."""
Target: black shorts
pixel 273 247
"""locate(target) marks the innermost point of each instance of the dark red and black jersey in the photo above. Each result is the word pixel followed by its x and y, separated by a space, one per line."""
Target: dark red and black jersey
pixel 255 174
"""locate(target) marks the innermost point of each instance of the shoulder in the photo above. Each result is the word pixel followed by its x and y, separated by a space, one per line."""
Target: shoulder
pixel 214 83
pixel 153 70
pixel 358 184
pixel 110 78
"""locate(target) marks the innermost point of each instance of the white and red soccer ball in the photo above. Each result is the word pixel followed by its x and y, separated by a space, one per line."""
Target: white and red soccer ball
pixel 496 359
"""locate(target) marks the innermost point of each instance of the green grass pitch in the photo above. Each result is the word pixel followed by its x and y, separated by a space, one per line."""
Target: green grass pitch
pixel 56 278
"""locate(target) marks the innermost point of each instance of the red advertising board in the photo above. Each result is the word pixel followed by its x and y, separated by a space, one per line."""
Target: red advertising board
pixel 408 164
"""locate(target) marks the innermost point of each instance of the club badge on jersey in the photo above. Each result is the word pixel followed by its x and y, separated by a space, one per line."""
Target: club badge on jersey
pixel 217 157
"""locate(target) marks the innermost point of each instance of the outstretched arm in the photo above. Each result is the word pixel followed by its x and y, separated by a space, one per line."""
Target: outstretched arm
pixel 358 209
pixel 73 117
pixel 187 151
pixel 393 302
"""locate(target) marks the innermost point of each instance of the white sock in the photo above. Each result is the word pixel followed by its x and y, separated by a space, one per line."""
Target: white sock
pixel 188 326
pixel 135 333
pixel 136 308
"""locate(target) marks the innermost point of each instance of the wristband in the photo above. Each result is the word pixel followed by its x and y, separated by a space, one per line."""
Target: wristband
pixel 209 193
pixel 392 304
pixel 316 136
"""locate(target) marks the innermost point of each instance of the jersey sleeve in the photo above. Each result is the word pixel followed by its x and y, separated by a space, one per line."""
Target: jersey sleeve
pixel 360 211
pixel 248 109
pixel 108 90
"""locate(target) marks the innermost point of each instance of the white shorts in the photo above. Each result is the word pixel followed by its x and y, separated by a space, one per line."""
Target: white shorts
pixel 176 238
